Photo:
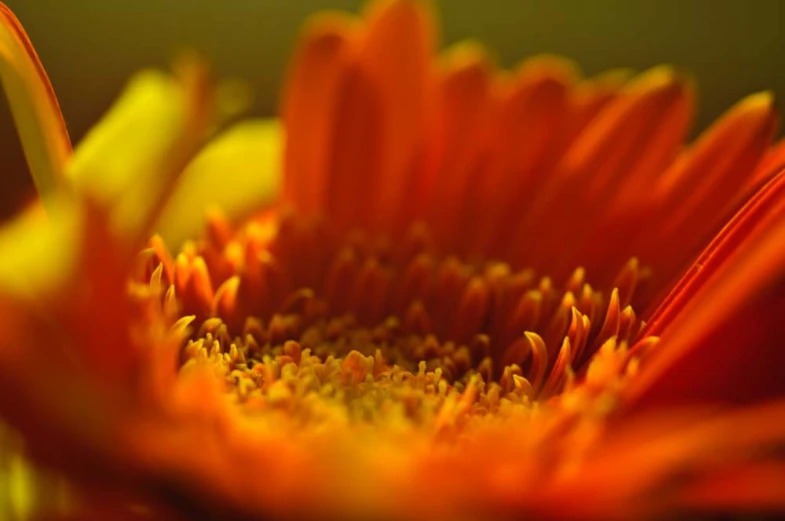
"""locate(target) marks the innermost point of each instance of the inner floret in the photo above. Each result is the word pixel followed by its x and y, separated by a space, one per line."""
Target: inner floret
pixel 294 312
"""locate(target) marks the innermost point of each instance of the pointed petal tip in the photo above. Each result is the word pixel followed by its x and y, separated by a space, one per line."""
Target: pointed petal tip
pixel 760 109
pixel 664 78
pixel 759 102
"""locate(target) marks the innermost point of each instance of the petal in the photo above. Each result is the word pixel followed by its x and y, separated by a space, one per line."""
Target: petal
pixel 238 172
pixel 694 196
pixel 772 162
pixel 594 94
pixel 397 52
pixel 530 137
pixel 354 158
pixel 761 210
pixel 33 105
pixel 734 143
pixel 131 159
pixel 308 107
pixel 37 254
pixel 755 486
pixel 663 461
pixel 617 156
pixel 464 115
pixel 726 345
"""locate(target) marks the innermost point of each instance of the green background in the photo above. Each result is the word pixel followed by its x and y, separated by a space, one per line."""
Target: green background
pixel 89 47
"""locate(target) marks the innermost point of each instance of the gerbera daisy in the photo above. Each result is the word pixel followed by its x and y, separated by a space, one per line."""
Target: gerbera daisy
pixel 479 294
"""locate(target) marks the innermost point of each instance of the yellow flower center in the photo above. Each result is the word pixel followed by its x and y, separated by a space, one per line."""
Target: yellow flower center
pixel 302 318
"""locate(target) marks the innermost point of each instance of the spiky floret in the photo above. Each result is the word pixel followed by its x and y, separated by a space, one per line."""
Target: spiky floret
pixel 296 316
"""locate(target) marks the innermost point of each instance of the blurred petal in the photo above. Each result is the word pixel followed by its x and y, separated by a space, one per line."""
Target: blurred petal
pixel 463 84
pixel 396 53
pixel 38 253
pixel 309 107
pixel 664 461
pixel 773 161
pixel 131 159
pixel 756 486
pixel 238 172
pixel 355 149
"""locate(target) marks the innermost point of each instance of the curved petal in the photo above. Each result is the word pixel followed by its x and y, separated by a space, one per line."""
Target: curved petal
pixel 238 172
pixel 762 209
pixel 726 346
pixel 33 105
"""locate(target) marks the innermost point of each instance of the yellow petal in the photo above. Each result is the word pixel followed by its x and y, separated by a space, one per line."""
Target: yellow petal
pixel 33 105
pixel 239 172
pixel 36 253
pixel 131 159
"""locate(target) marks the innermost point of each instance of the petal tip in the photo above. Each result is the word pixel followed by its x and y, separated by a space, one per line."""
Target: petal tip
pixel 328 24
pixel 663 77
pixel 466 53
pixel 552 66
pixel 760 101
pixel 760 108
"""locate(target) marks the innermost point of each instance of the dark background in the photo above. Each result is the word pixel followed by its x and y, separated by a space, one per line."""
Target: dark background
pixel 90 47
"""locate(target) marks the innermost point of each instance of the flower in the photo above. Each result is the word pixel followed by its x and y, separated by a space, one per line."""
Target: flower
pixel 479 294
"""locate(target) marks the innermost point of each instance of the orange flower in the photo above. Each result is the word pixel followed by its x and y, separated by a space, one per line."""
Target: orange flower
pixel 479 294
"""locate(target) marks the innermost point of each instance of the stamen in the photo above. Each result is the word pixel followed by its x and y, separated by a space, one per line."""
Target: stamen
pixel 359 321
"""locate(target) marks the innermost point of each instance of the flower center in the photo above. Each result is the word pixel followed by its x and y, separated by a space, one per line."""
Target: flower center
pixel 296 313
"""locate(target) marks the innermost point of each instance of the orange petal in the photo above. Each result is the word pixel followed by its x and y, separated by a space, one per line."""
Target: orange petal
pixel 33 105
pixel 591 96
pixel 616 156
pixel 755 486
pixel 354 160
pixel 308 107
pixel 530 138
pixel 463 88
pixel 641 459
pixel 726 346
pixel 772 162
pixel 735 142
pixel 107 309
pixel 763 208
pixel 397 52
pixel 698 190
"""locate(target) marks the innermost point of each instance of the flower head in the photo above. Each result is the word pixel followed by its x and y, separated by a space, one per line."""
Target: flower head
pixel 478 294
